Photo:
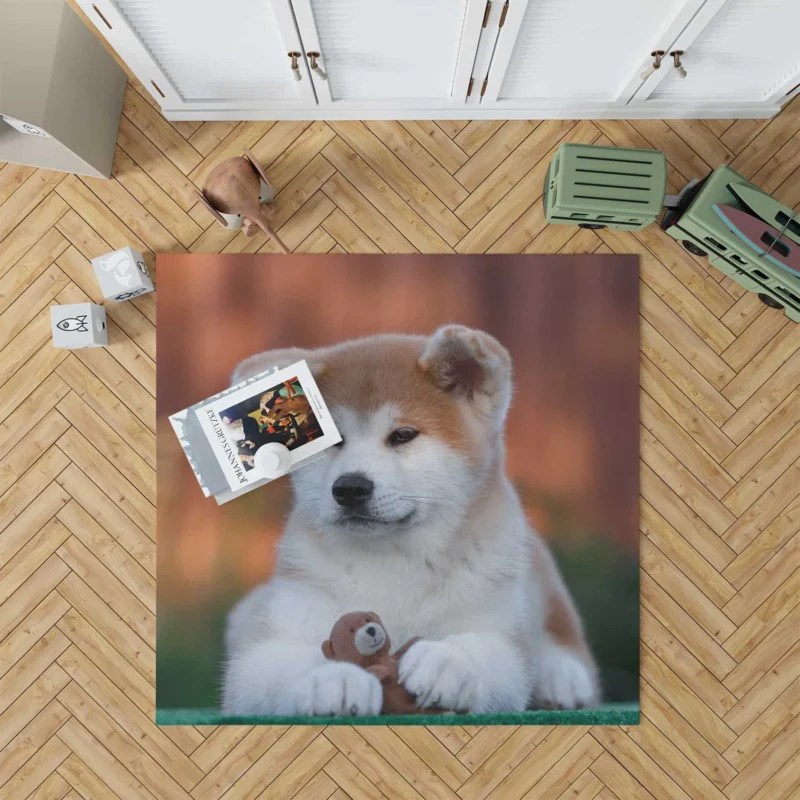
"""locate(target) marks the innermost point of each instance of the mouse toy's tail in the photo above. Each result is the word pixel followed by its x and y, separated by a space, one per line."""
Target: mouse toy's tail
pixel 268 229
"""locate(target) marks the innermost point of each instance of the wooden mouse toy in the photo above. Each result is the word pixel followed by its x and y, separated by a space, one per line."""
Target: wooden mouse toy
pixel 360 638
pixel 233 188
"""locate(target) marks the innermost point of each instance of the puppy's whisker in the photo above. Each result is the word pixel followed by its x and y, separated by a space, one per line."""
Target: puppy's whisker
pixel 444 519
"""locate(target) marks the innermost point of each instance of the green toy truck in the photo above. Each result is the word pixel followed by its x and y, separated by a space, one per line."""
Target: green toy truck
pixel 613 187
pixel 701 231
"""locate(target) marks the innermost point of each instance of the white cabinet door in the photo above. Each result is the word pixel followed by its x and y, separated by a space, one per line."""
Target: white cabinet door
pixel 577 54
pixel 390 54
pixel 208 54
pixel 735 51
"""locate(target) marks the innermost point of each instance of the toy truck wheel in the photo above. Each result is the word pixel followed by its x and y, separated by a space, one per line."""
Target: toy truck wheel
pixel 693 248
pixel 592 226
pixel 769 301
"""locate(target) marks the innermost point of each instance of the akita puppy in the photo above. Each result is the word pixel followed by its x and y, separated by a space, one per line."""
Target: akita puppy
pixel 412 517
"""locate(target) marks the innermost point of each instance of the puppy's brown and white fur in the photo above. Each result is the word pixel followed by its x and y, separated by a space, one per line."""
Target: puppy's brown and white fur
pixel 439 548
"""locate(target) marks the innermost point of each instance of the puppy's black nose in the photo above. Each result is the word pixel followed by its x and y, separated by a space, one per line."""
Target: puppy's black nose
pixel 352 490
pixel 371 630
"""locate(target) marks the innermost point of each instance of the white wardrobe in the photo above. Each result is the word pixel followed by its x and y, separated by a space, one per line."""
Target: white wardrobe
pixel 450 59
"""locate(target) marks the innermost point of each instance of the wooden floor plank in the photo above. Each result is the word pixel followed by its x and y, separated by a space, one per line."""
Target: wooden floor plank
pixel 286 161
pixel 107 224
pixel 12 176
pixel 437 143
pixel 39 294
pixel 30 230
pixel 352 203
pixel 679 587
pixel 684 412
pixel 24 636
pixel 535 147
pixel 768 433
pixel 91 606
pixel 32 192
pixel 153 198
pixel 109 516
pixel 46 541
pixel 681 444
pixel 689 743
pixel 475 134
pixel 84 782
pixel 30 267
pixel 680 553
pixel 136 145
pixel 419 161
pixel 761 696
pixel 102 472
pixel 133 213
pixel 36 734
pixel 756 621
pixel 428 224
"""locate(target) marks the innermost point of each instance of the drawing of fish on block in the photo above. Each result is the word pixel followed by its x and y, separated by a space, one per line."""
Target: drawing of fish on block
pixel 78 325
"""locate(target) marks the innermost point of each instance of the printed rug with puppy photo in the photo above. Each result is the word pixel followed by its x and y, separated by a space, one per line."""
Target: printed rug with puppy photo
pixel 398 489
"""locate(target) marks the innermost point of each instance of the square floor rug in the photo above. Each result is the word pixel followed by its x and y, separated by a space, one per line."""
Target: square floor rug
pixel 460 546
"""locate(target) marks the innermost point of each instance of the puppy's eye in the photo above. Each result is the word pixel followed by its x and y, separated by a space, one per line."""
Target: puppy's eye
pixel 402 435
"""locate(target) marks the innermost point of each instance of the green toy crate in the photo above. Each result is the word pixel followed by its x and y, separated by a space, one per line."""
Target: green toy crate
pixel 696 225
pixel 605 187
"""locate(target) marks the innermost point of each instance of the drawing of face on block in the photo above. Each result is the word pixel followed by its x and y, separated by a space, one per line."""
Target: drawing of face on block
pixel 121 265
pixel 122 274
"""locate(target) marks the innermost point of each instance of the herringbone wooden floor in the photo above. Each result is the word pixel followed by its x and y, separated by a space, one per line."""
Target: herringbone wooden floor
pixel 720 470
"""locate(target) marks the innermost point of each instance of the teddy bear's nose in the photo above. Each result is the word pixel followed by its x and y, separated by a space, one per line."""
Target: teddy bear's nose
pixel 371 630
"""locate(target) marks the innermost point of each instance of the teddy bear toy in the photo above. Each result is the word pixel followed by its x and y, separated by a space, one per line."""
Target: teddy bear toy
pixel 233 194
pixel 360 638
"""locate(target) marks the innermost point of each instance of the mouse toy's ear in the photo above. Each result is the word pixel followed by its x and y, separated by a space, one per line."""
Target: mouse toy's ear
pixel 327 649
pixel 256 165
pixel 470 364
pixel 213 211
pixel 261 362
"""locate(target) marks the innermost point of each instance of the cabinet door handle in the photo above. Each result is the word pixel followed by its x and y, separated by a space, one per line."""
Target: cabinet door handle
pixel 676 57
pixel 294 55
pixel 657 56
pixel 313 56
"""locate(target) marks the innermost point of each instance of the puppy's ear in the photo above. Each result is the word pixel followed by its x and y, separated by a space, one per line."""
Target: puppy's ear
pixel 261 362
pixel 327 649
pixel 470 364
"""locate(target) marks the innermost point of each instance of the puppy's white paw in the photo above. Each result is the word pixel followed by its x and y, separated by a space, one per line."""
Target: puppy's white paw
pixel 562 680
pixel 440 675
pixel 339 689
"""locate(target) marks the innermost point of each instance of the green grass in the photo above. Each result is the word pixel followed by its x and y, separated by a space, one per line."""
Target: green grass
pixel 607 714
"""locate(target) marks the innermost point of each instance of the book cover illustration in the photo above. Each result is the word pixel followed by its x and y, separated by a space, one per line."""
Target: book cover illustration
pixel 222 435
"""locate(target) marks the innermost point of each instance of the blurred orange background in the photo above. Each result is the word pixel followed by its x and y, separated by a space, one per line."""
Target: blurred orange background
pixel 570 323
